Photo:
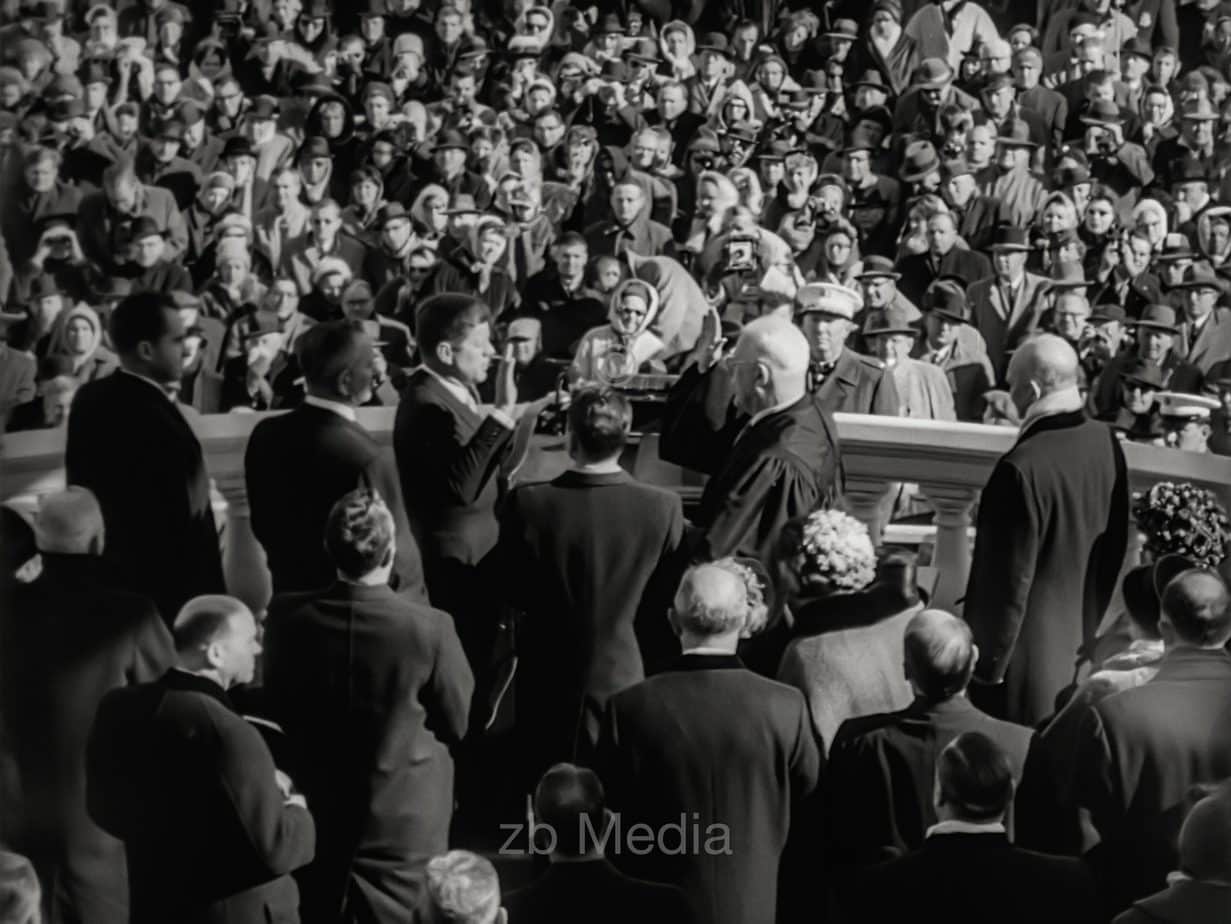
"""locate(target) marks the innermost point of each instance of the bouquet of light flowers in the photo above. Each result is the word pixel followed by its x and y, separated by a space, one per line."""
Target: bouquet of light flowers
pixel 1182 519
pixel 836 552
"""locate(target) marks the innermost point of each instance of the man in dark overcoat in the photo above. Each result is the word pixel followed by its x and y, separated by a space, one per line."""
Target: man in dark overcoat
pixel 564 547
pixel 211 828
pixel 66 639
pixel 1143 752
pixel 371 689
pixel 299 464
pixel 130 443
pixel 1051 534
pixel 772 452
pixel 663 743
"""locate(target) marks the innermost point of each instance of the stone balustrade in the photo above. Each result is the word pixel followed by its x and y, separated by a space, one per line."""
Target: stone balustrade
pixel 950 462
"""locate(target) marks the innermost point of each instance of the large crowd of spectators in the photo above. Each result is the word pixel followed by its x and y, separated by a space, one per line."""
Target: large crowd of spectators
pixel 475 698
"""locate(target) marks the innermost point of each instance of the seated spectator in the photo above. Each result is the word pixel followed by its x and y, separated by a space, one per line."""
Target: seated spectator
pixel 626 345
pixel 478 267
pixel 882 767
pixel 533 373
pixel 967 864
pixel 323 302
pixel 581 882
pixel 262 377
pixel 393 338
pixel 561 299
pixel 151 265
pixel 78 337
pixel 923 388
pixel 463 888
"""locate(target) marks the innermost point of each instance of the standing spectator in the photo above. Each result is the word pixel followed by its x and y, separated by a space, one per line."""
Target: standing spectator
pixel 959 349
pixel 1007 305
pixel 67 640
pixel 563 545
pixel 106 218
pixel 662 738
pixel 371 689
pixel 942 257
pixel 1033 603
pixel 1204 336
pixel 174 755
pixel 290 502
pixel 967 864
pixel 1175 725
pixel 882 767
pixel 841 379
pixel 770 448
pixel 581 882
pixel 130 443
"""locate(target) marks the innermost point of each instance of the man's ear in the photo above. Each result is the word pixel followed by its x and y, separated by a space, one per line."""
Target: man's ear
pixel 502 917
pixel 444 353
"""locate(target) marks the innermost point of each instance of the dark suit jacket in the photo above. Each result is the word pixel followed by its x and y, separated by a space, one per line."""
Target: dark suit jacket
pixel 1140 752
pixel 448 458
pixel 1185 900
pixel 135 450
pixel 784 466
pixel 598 893
pixel 1210 346
pixel 1035 599
pixel 297 466
pixel 858 385
pixel 1005 326
pixel 919 270
pixel 65 641
pixel 663 741
pixel 563 547
pixel 882 769
pixel 1052 106
pixel 171 757
pixel 961 878
pixel 370 689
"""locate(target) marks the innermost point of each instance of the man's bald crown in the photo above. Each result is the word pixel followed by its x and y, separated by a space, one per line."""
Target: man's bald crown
pixel 775 342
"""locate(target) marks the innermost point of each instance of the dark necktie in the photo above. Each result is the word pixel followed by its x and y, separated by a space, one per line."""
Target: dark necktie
pixel 818 372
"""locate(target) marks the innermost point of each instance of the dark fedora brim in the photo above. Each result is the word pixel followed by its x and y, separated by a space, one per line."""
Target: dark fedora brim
pixel 878 331
pixel 1013 248
pixel 878 274
pixel 918 173
pixel 1157 325
pixel 725 52
pixel 950 315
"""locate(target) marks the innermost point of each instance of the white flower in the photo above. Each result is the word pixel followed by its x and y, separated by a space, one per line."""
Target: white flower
pixel 838 550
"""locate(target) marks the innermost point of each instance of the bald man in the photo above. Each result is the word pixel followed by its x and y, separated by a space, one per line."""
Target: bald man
pixel 882 767
pixel 212 830
pixel 746 420
pixel 67 639
pixel 1142 751
pixel 664 739
pixel 1051 534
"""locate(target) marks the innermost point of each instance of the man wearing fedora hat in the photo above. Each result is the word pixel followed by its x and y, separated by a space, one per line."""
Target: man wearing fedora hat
pixel 1154 337
pixel 1204 335
pixel 841 379
pixel 160 163
pixel 708 87
pixel 998 96
pixel 1198 124
pixel 1121 167
pixel 1019 191
pixel 878 283
pixel 923 388
pixel 875 201
pixel 952 345
pixel 931 87
pixel 920 170
pixel 1007 305
pixel 149 266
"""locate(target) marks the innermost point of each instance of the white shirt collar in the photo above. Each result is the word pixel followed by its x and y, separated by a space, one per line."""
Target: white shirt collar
pixel 162 389
pixel 955 826
pixel 706 650
pixel 345 411
pixel 455 388
pixel 761 415
pixel 1058 402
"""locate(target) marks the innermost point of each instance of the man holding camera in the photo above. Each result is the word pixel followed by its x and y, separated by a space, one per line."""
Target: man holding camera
pixel 1120 167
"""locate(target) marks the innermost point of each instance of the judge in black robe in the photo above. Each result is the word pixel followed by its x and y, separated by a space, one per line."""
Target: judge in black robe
pixel 764 470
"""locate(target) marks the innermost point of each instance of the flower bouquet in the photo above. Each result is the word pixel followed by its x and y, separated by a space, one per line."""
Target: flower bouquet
pixel 837 553
pixel 1182 519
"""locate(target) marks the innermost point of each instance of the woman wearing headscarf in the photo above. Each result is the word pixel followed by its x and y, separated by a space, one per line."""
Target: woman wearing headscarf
pixel 233 288
pixel 78 336
pixel 716 198
pixel 1157 111
pixel 429 215
pixel 478 267
pixel 333 119
pixel 840 260
pixel 625 345
pixel 678 44
pixel 1150 218
pixel 1214 237
pixel 771 81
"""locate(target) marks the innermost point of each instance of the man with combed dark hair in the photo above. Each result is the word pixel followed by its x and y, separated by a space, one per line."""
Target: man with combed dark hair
pixel 173 756
pixel 452 454
pixel 463 888
pixel 881 767
pixel 564 546
pixel 371 689
pixel 291 499
pixel 731 752
pixel 66 639
pixel 1143 749
pixel 581 883
pixel 130 443
pixel 967 870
